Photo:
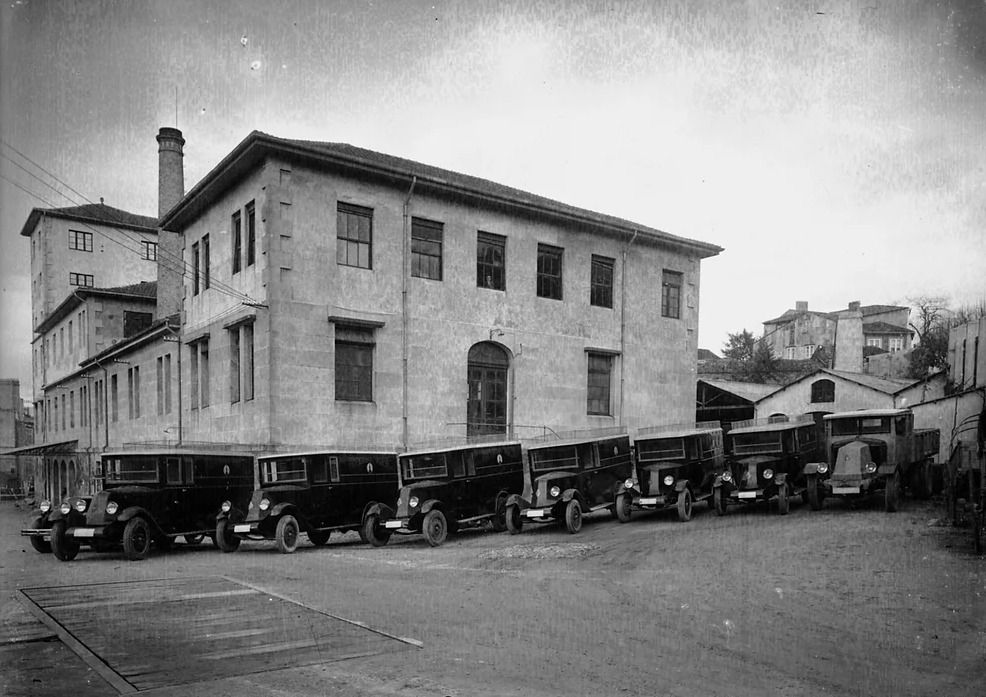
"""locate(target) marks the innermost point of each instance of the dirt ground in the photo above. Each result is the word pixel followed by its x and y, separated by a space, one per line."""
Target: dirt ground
pixel 834 602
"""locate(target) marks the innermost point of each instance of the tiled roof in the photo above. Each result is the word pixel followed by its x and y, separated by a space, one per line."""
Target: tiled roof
pixel 146 290
pixel 96 213
pixel 257 146
pixel 865 310
pixel 883 328
pixel 751 391
pixel 706 355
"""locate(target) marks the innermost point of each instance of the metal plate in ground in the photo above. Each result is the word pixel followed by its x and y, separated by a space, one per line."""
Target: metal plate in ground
pixel 178 631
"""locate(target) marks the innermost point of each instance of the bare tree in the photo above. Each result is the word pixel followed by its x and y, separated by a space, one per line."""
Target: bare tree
pixel 969 313
pixel 932 319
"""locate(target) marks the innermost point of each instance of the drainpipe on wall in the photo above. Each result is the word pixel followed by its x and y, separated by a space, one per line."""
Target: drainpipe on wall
pixel 405 272
pixel 623 321
pixel 177 336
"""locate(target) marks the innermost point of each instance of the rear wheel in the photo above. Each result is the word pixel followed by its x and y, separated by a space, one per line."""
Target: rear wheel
pixel 435 528
pixel 891 493
pixel 136 539
pixel 514 522
pixel 783 502
pixel 225 539
pixel 573 516
pixel 373 533
pixel 499 520
pixel 64 548
pixel 623 508
pixel 812 493
pixel 286 534
pixel 319 537
pixel 719 501
pixel 37 541
pixel 684 505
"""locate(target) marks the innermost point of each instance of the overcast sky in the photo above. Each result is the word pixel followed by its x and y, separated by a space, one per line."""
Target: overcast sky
pixel 835 149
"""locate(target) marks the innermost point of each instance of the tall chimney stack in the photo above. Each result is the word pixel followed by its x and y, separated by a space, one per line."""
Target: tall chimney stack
pixel 170 190
pixel 171 172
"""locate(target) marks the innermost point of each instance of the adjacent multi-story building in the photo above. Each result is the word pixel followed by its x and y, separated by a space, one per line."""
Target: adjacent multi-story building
pixel 16 431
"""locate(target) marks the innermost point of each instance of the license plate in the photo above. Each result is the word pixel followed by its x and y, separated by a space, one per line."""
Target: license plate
pixel 241 528
pixel 393 524
pixel 649 501
pixel 845 490
pixel 84 532
pixel 747 494
pixel 534 513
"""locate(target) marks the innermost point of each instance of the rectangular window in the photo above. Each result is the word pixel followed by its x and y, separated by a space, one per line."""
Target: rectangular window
pixel 85 280
pixel 671 294
pixel 874 341
pixel 83 406
pixel 354 364
pixel 98 406
pixel 133 392
pixel 491 265
pixel 71 406
pixel 251 234
pixel 600 378
pixel 199 373
pixel 234 364
pixel 426 249
pixel 601 292
pixel 193 371
pixel 203 373
pixel 549 271
pixel 196 268
pixel 354 236
pixel 114 398
pixel 64 410
pixel 205 262
pixel 236 227
pixel 246 346
pixel 167 384
pixel 148 251
pixel 80 241
pixel 896 343
pixel 160 385
pixel 71 340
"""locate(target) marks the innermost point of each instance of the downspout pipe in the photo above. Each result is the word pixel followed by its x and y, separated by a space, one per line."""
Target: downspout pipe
pixel 405 273
pixel 623 322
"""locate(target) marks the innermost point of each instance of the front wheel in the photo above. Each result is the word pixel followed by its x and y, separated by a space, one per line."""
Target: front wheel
pixel 813 494
pixel 435 528
pixel 891 493
pixel 319 537
pixel 64 547
pixel 374 534
pixel 498 520
pixel 718 501
pixel 623 508
pixel 225 539
pixel 783 502
pixel 286 534
pixel 136 539
pixel 39 543
pixel 514 521
pixel 684 505
pixel 573 516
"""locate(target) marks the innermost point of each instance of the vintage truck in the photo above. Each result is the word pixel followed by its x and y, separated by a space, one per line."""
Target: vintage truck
pixel 878 450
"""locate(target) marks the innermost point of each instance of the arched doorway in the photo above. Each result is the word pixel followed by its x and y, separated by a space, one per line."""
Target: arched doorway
pixel 486 410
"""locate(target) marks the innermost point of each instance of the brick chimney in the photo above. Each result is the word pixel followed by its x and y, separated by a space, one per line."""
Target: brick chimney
pixel 854 306
pixel 801 306
pixel 171 189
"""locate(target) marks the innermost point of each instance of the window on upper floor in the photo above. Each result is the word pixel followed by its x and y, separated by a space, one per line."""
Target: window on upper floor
pixel 236 228
pixel 601 281
pixel 600 378
pixel 822 391
pixel 79 240
pixel 354 236
pixel 426 248
pixel 148 251
pixel 895 344
pixel 251 234
pixel 491 261
pixel 549 272
pixel 206 273
pixel 671 282
pixel 196 269
pixel 354 348
pixel 84 280
pixel 874 341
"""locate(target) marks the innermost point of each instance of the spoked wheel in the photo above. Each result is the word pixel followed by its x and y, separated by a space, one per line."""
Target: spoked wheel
pixel 373 532
pixel 225 539
pixel 286 534
pixel 136 539
pixel 435 528
pixel 573 516
pixel 64 548
pixel 319 537
pixel 193 539
pixel 685 505
pixel 499 520
pixel 39 543
pixel 783 502
pixel 514 521
pixel 623 508
pixel 891 493
pixel 813 494
pixel 719 501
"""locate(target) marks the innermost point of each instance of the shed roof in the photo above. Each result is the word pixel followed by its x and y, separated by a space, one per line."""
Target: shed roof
pixel 94 213
pixel 144 291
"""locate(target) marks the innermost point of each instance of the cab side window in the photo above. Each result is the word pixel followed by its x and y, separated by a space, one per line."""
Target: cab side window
pixel 458 464
pixel 173 470
pixel 901 425
pixel 320 470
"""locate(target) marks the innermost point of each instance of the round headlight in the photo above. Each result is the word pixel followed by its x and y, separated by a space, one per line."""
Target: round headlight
pixel 554 492
pixel 45 506
pixel 822 468
pixel 870 467
pixel 65 508
pixel 413 502
pixel 80 505
pixel 768 474
pixel 264 504
pixel 628 484
pixel 111 508
pixel 226 506
pixel 668 480
pixel 727 476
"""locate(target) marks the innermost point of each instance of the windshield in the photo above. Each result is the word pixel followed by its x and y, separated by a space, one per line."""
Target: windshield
pixel 291 469
pixel 130 469
pixel 662 449
pixel 850 427
pixel 763 442
pixel 424 466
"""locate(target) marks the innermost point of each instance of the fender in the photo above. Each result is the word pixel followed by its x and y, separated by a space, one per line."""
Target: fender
pixel 277 510
pixel 780 478
pixel 432 505
pixel 380 509
pixel 234 515
pixel 128 514
pixel 680 485
pixel 886 470
pixel 812 468
pixel 518 500
pixel 570 494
